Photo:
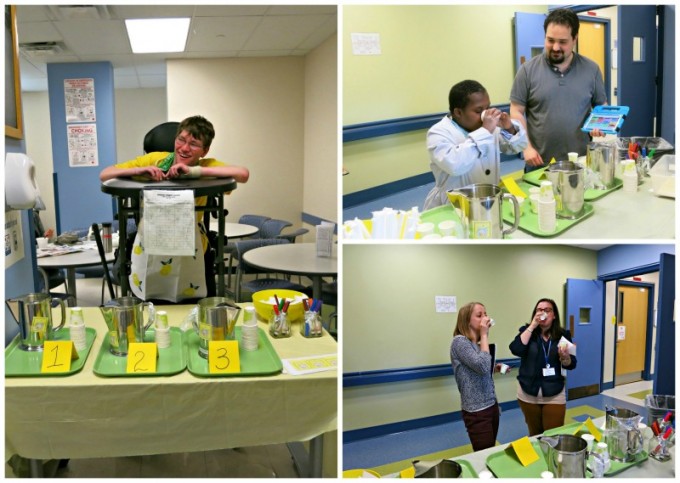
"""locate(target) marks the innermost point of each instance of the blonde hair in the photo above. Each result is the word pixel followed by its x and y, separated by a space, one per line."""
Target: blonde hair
pixel 464 316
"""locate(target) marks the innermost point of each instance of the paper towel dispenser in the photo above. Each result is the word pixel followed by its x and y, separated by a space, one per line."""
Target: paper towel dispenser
pixel 21 190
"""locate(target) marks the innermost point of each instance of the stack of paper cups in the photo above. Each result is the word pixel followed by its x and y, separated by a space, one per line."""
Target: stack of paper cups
pixel 77 328
pixel 249 335
pixel 162 330
pixel 630 177
pixel 547 208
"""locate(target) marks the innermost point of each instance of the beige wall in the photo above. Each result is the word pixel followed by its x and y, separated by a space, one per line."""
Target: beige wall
pixel 392 323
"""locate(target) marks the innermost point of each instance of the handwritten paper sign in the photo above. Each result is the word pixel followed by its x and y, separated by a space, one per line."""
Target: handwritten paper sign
pixel 142 358
pixel 525 451
pixel 223 356
pixel 57 356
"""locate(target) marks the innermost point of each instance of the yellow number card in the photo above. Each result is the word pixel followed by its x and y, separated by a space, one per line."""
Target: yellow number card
pixel 593 429
pixel 57 356
pixel 525 451
pixel 141 357
pixel 223 356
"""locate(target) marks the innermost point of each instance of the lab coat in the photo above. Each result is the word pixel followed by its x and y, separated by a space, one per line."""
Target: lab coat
pixel 459 158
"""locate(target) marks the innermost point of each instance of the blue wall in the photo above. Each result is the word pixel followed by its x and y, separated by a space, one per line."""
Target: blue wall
pixel 78 196
pixel 619 258
pixel 20 277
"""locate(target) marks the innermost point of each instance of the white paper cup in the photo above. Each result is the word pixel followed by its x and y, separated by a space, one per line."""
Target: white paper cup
pixel 432 236
pixel 534 190
pixel 589 438
pixel 504 368
pixel 425 229
pixel 547 193
pixel 163 337
pixel 573 157
pixel 42 242
pixel 78 336
pixel 485 475
pixel 533 200
pixel 447 227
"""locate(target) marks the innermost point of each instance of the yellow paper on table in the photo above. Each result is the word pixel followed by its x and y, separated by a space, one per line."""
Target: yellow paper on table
pixel 593 429
pixel 513 187
pixel 525 451
pixel 142 357
pixel 552 161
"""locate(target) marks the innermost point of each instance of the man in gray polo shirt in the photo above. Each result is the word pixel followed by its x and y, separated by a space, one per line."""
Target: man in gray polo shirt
pixel 556 91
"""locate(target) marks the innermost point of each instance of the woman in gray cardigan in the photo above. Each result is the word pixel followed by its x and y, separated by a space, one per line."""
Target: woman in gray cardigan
pixel 472 366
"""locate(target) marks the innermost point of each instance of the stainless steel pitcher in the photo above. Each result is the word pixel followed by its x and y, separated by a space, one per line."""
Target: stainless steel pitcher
pixel 124 317
pixel 216 320
pixel 567 178
pixel 480 208
pixel 566 455
pixel 622 434
pixel 602 158
pixel 33 313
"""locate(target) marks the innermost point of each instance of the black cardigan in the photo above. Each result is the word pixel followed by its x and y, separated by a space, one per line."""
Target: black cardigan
pixel 533 361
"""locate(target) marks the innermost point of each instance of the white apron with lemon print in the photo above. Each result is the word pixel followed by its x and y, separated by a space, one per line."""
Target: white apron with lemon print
pixel 173 278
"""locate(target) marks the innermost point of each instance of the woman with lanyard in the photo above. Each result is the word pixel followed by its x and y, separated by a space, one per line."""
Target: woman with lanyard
pixel 544 351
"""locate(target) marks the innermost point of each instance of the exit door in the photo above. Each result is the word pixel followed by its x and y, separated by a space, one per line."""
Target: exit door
pixel 633 333
pixel 584 318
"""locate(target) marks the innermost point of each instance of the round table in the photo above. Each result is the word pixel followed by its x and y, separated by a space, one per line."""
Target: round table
pixel 295 259
pixel 234 230
pixel 88 257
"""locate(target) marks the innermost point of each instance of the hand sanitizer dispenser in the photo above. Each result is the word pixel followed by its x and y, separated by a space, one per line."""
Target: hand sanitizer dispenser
pixel 21 190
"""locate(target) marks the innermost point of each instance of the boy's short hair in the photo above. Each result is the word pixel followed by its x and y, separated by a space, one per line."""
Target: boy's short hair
pixel 200 128
pixel 563 16
pixel 459 95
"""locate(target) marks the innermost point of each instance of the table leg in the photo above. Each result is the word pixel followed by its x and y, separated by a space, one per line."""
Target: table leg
pixel 317 282
pixel 71 283
pixel 36 468
pixel 309 465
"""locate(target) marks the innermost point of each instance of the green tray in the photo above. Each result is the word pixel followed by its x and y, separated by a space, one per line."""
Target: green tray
pixel 528 221
pixel 21 363
pixel 616 466
pixel 262 362
pixel 534 178
pixel 505 464
pixel 468 470
pixel 171 360
pixel 439 214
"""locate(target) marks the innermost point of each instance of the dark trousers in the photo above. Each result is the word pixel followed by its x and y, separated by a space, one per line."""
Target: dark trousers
pixel 482 427
pixel 541 417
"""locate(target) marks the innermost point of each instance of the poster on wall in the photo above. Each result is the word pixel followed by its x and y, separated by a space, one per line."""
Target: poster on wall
pixel 79 100
pixel 14 242
pixel 82 145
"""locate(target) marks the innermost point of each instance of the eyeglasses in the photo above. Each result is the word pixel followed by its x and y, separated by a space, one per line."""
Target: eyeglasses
pixel 181 141
pixel 546 310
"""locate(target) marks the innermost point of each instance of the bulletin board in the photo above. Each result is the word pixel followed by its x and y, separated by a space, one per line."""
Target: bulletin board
pixel 390 321
pixel 13 113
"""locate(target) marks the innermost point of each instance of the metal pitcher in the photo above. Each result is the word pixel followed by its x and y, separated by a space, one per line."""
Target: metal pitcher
pixel 124 317
pixel 480 208
pixel 33 313
pixel 216 320
pixel 437 469
pixel 622 434
pixel 567 179
pixel 602 158
pixel 566 455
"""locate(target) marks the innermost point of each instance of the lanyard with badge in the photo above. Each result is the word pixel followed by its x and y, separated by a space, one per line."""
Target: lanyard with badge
pixel 547 370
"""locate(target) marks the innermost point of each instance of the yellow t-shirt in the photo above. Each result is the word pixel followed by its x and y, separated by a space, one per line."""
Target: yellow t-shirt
pixel 154 159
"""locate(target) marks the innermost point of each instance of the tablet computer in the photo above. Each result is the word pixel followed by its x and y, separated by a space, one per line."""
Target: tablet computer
pixel 607 119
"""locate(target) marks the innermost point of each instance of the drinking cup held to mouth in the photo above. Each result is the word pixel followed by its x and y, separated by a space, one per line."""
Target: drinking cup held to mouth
pixel 504 368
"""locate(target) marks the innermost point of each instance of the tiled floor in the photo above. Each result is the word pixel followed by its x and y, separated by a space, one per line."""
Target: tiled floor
pixel 253 462
pixel 447 440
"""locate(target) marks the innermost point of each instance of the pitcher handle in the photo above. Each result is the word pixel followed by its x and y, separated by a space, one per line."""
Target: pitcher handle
pixel 641 443
pixel 516 211
pixel 152 315
pixel 63 313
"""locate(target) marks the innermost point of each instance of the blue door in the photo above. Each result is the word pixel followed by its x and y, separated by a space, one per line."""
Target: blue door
pixel 584 318
pixel 637 68
pixel 664 365
pixel 529 36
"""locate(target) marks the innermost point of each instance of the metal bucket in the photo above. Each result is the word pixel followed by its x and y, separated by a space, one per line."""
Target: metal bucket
pixel 567 179
pixel 437 469
pixel 566 455
pixel 480 208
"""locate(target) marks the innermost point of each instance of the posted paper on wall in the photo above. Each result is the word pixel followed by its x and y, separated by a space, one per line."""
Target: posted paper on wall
pixel 79 100
pixel 14 240
pixel 169 222
pixel 82 145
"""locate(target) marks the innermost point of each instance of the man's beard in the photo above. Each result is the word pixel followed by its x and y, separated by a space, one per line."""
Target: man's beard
pixel 556 60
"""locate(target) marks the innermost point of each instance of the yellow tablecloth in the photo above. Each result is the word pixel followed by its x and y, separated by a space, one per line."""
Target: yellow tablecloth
pixel 87 416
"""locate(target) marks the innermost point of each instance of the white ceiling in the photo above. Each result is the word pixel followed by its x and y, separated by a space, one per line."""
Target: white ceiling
pixel 97 33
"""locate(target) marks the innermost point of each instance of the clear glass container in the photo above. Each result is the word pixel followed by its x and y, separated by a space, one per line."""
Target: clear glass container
pixel 279 325
pixel 311 327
